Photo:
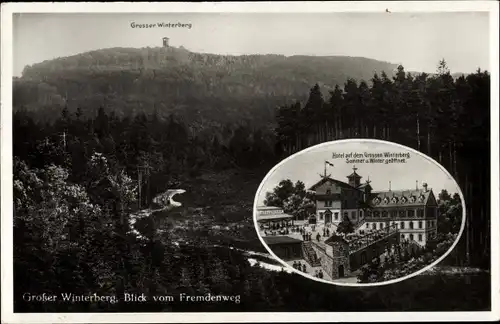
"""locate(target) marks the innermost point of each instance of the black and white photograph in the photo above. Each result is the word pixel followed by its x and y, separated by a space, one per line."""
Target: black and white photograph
pixel 333 225
pixel 260 161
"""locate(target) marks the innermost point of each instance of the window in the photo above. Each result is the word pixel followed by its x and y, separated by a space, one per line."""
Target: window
pixel 411 225
pixel 402 236
pixel 420 237
pixel 367 225
pixel 360 213
pixel 402 213
pixel 336 216
pixel 376 214
pixel 411 237
pixel 368 213
pixel 419 224
pixel 384 213
pixel 346 215
pixel 394 214
pixel 381 225
pixel 353 215
pixel 402 225
pixel 420 213
pixel 328 192
pixel 411 213
pixel 321 216
pixel 374 226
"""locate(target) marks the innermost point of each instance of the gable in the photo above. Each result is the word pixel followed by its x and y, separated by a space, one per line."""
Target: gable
pixel 334 185
pixel 328 185
pixel 319 183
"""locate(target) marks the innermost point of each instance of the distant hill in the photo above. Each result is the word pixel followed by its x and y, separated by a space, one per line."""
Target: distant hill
pixel 207 88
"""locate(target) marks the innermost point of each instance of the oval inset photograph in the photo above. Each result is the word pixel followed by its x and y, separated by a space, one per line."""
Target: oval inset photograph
pixel 359 212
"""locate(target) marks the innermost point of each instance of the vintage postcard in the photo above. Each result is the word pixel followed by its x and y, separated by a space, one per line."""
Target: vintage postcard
pixel 250 162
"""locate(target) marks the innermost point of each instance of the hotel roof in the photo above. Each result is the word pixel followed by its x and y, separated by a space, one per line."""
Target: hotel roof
pixel 338 182
pixel 273 217
pixel 270 240
pixel 335 238
pixel 415 197
pixel 268 208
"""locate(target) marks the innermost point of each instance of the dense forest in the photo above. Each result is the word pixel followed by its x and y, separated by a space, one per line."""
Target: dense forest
pixel 76 176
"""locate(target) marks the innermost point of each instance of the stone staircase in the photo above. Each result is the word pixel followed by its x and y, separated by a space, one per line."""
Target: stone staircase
pixel 310 255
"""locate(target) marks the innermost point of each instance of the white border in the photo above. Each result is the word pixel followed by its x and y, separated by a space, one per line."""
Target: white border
pixel 332 144
pixel 269 7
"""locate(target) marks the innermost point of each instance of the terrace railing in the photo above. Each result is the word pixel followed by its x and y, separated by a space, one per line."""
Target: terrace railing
pixel 368 239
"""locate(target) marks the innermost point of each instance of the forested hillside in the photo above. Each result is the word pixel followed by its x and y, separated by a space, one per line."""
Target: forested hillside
pixel 207 88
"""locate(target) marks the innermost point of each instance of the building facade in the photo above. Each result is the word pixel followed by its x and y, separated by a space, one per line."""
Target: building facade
pixel 414 211
pixel 268 215
pixel 337 200
pixel 338 252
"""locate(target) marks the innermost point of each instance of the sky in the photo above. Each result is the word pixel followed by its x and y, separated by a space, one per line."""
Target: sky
pixel 307 167
pixel 416 40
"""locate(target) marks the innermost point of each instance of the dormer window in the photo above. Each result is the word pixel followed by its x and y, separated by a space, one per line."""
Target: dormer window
pixel 386 200
pixel 422 198
pixel 376 201
pixel 412 199
pixel 394 200
pixel 403 200
pixel 328 192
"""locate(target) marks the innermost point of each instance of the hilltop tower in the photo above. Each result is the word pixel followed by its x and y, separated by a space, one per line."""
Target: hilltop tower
pixel 354 178
pixel 165 41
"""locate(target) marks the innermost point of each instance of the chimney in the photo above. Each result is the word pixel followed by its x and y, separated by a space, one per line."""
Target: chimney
pixel 389 186
pixel 416 185
pixel 425 186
